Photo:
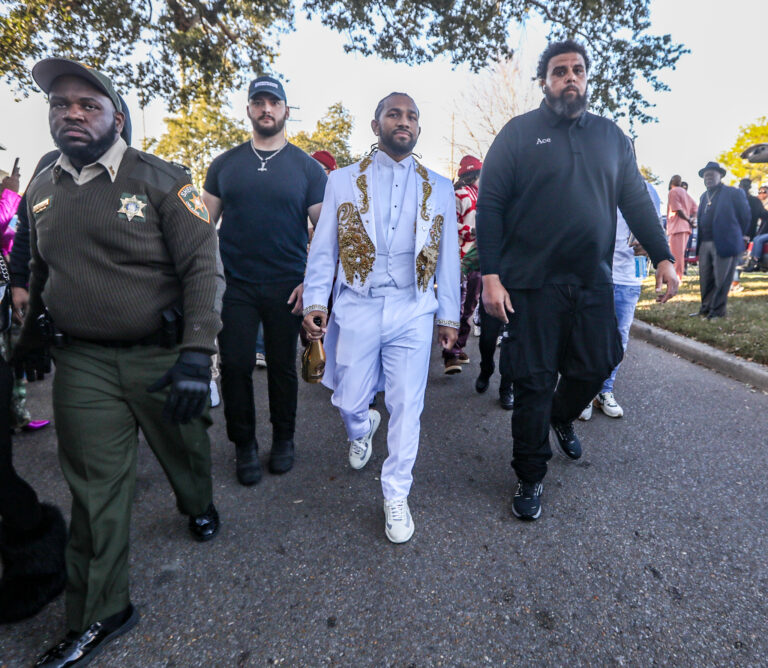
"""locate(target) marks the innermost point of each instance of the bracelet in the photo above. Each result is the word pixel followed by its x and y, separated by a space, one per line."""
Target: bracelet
pixel 315 307
pixel 447 323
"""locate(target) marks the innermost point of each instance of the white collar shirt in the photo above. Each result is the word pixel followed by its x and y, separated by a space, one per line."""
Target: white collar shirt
pixel 390 179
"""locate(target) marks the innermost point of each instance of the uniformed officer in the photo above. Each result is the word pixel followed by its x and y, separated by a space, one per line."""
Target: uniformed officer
pixel 124 261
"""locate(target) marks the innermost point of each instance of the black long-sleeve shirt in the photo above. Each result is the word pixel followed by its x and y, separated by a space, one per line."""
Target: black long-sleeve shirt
pixel 549 191
pixel 20 253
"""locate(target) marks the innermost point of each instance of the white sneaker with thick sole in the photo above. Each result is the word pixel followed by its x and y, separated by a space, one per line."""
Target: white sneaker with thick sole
pixel 360 449
pixel 398 523
pixel 607 403
pixel 586 414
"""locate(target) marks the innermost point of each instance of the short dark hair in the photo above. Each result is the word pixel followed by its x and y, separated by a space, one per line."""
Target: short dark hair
pixel 675 181
pixel 383 101
pixel 557 49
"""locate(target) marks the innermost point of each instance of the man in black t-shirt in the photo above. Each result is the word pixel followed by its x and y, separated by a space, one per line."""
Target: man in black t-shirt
pixel 263 190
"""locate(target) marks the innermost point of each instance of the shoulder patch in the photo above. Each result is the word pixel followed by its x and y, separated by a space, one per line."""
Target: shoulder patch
pixel 192 200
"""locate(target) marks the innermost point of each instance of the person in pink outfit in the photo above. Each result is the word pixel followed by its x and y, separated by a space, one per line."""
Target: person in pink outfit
pixel 681 213
pixel 9 199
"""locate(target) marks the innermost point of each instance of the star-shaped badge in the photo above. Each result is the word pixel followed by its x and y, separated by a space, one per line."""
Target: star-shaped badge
pixel 132 207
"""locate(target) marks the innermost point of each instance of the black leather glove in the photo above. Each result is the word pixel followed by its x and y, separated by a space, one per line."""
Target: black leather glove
pixel 190 381
pixel 32 362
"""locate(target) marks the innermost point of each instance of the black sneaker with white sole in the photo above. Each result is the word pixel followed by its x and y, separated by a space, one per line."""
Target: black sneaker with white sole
pixel 567 440
pixel 526 504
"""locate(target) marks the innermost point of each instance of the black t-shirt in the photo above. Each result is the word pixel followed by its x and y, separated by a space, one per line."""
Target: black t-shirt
pixel 263 234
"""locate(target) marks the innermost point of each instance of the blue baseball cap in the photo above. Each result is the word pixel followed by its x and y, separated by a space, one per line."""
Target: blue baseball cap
pixel 265 84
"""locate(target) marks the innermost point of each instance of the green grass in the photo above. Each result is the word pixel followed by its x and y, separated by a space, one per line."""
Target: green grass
pixel 744 332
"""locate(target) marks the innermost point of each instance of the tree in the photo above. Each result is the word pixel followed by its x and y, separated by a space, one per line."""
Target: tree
pixel 332 134
pixel 196 135
pixel 500 93
pixel 648 175
pixel 145 44
pixel 754 133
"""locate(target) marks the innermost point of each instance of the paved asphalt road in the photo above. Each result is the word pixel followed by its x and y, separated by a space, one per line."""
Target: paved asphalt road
pixel 651 550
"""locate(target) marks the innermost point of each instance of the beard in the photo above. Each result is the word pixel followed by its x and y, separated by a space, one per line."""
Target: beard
pixel 86 154
pixel 268 131
pixel 398 146
pixel 567 108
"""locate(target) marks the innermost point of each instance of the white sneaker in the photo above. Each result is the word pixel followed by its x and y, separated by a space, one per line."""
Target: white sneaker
pixel 261 361
pixel 361 448
pixel 398 521
pixel 476 330
pixel 215 398
pixel 607 403
pixel 586 414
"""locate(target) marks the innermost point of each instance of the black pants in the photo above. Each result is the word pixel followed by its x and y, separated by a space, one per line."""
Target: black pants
pixel 244 305
pixel 19 506
pixel 715 276
pixel 490 330
pixel 557 329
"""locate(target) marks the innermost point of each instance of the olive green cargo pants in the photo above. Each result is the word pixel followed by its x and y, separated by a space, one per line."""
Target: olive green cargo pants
pixel 100 401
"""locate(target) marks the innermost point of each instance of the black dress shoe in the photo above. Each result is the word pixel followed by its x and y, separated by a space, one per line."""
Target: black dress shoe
pixel 247 464
pixel 507 399
pixel 567 439
pixel 206 525
pixel 482 382
pixel 281 457
pixel 79 649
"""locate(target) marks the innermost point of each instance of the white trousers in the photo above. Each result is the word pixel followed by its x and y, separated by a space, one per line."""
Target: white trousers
pixel 389 335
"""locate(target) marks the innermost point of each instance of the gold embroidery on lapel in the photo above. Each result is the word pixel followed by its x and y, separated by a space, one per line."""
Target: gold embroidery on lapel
pixel 362 185
pixel 366 161
pixel 426 260
pixel 426 188
pixel 356 250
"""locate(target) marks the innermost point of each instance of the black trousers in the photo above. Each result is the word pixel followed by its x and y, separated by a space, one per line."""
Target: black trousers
pixel 19 506
pixel 557 330
pixel 244 305
pixel 490 330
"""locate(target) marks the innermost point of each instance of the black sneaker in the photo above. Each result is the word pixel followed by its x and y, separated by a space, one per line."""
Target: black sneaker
pixel 281 457
pixel 507 399
pixel 247 463
pixel 482 382
pixel 526 504
pixel 567 439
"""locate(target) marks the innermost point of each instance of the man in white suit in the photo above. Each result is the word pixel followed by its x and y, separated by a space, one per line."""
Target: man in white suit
pixel 382 222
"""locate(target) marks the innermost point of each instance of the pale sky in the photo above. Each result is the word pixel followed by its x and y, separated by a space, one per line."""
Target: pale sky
pixel 716 88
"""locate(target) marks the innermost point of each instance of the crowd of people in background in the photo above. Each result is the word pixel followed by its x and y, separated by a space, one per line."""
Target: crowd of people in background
pixel 173 285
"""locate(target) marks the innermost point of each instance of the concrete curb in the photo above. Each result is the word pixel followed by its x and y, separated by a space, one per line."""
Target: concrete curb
pixel 717 360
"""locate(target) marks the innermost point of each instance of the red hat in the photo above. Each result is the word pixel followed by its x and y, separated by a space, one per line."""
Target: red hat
pixel 469 163
pixel 325 159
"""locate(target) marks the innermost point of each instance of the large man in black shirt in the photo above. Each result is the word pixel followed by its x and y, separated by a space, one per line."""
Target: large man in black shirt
pixel 264 190
pixel 546 225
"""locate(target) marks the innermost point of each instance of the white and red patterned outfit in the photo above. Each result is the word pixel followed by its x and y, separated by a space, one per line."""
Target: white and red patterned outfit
pixel 471 279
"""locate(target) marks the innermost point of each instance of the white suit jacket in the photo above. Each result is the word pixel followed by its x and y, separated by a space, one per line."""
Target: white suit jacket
pixel 345 235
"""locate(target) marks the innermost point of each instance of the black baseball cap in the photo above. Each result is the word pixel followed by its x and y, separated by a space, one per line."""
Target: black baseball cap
pixel 265 84
pixel 48 70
